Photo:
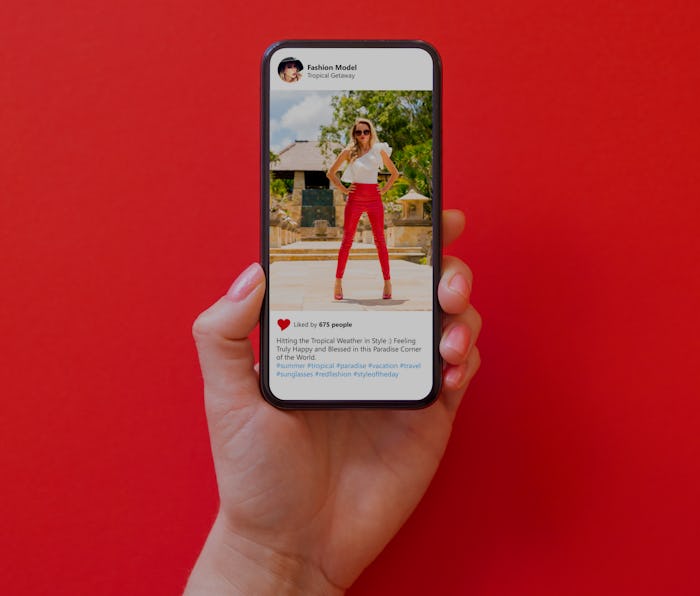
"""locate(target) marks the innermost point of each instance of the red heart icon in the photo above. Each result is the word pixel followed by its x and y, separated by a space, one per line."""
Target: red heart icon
pixel 283 323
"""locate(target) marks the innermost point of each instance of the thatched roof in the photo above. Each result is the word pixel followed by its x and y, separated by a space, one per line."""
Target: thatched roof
pixel 304 155
pixel 413 195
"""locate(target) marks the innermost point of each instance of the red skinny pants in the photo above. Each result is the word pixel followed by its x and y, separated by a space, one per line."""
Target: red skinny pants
pixel 365 197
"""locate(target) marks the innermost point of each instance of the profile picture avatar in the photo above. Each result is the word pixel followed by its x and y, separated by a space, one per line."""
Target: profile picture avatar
pixel 289 69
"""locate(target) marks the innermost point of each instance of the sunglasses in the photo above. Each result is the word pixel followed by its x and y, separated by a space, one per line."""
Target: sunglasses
pixel 361 133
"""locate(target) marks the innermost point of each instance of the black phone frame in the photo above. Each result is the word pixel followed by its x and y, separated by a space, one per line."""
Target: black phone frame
pixel 286 404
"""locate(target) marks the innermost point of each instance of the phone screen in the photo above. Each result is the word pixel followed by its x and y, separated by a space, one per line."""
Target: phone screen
pixel 351 233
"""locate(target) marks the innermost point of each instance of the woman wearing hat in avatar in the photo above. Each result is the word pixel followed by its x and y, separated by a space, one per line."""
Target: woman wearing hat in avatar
pixel 289 70
pixel 365 156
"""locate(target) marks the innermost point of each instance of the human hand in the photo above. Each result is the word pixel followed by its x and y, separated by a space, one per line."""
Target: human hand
pixel 309 498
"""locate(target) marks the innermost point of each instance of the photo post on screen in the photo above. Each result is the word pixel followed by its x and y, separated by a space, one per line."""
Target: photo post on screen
pixel 351 188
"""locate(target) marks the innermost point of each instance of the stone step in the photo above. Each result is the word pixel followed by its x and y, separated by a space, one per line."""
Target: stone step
pixel 370 248
pixel 414 256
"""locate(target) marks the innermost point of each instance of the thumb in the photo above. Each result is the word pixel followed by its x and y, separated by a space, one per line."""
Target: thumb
pixel 225 354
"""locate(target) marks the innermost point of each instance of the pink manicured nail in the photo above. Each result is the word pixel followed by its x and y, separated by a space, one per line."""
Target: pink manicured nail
pixel 245 283
pixel 459 284
pixel 457 339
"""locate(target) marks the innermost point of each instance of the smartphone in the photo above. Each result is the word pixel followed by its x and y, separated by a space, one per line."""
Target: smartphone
pixel 351 205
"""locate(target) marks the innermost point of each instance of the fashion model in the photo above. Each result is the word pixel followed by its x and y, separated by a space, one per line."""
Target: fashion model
pixel 365 156
pixel 289 70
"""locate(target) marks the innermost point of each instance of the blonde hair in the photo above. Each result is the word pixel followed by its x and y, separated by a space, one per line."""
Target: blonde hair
pixel 355 147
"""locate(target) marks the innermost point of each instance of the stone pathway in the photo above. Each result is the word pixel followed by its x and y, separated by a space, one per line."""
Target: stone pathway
pixel 308 285
pixel 328 251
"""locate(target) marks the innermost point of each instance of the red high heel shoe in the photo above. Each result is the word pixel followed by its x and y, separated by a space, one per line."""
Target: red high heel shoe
pixel 386 296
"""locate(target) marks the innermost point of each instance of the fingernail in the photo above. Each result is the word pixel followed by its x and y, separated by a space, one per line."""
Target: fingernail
pixel 460 285
pixel 456 376
pixel 245 283
pixel 457 339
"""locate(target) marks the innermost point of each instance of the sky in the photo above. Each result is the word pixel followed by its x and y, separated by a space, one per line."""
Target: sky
pixel 298 116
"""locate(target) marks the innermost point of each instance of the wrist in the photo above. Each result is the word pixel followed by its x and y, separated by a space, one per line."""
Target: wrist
pixel 232 564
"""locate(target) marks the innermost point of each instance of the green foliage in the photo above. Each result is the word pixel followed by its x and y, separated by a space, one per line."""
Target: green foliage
pixel 280 187
pixel 416 166
pixel 403 119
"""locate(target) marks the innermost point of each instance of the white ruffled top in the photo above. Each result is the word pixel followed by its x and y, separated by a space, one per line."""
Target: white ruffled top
pixel 364 169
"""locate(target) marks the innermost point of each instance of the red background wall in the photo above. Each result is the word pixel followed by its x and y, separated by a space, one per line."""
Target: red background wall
pixel 129 201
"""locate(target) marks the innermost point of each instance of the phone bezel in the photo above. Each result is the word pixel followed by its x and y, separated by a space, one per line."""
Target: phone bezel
pixel 265 224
